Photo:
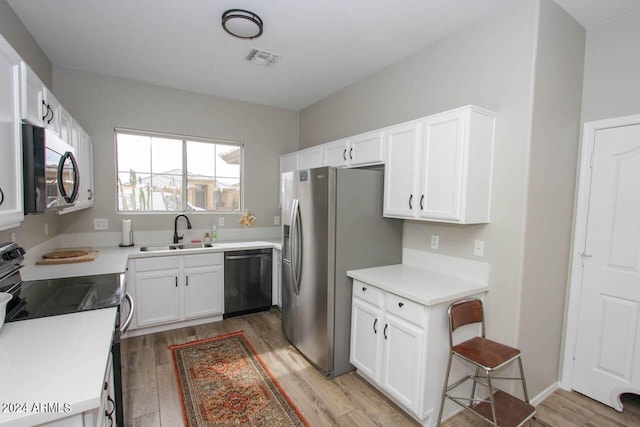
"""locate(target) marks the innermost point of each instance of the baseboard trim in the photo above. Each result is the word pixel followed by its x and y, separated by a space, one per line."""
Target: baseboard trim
pixel 545 393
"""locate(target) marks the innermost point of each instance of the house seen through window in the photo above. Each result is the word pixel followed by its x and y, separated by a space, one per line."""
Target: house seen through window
pixel 158 173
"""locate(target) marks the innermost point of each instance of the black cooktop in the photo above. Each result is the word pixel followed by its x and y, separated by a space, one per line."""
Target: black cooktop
pixel 42 298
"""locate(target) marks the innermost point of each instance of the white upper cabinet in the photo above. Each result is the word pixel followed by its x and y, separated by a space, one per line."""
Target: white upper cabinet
pixel 446 160
pixel 359 150
pixel 402 152
pixel 310 158
pixel 11 213
pixel 38 105
pixel 366 149
pixel 289 162
pixel 33 107
pixel 335 153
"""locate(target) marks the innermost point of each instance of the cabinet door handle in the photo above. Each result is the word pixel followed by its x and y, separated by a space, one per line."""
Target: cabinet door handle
pixel 375 322
pixel 384 332
pixel 351 153
pixel 187 281
pixel 49 108
pixel 113 407
pixel 400 304
pixel 90 194
pixel 421 200
pixel 344 154
pixel 364 288
pixel 46 110
pixel 410 200
pixel 1 197
pixel 176 281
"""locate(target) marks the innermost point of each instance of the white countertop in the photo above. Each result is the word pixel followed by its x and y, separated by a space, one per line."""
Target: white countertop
pixel 58 359
pixel 417 284
pixel 113 259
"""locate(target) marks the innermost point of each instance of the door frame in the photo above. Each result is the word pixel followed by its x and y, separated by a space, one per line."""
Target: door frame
pixel 572 310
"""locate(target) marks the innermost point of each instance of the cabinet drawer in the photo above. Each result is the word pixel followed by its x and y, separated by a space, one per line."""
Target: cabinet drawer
pixel 367 292
pixel 405 309
pixel 202 260
pixel 157 263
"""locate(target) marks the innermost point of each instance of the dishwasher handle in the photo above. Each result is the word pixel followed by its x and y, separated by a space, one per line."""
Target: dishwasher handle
pixel 247 256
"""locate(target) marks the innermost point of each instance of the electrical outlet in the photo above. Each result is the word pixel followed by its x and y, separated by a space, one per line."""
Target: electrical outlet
pixel 46 228
pixel 221 221
pixel 100 224
pixel 478 248
pixel 13 237
pixel 435 241
pixel 276 220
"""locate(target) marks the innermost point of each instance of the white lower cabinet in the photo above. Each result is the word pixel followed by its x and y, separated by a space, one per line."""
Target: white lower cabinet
pixel 176 288
pixel 201 298
pixel 366 327
pixel 402 360
pixel 400 347
pixel 157 297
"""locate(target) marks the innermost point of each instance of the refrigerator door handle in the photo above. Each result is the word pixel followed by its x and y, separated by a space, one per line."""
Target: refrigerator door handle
pixel 294 242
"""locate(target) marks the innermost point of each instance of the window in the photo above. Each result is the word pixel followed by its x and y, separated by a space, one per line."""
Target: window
pixel 160 173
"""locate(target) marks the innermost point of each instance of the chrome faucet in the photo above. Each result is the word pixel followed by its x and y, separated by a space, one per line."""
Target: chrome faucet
pixel 177 238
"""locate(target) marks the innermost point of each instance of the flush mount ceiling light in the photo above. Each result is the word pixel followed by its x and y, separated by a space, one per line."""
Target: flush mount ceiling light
pixel 242 23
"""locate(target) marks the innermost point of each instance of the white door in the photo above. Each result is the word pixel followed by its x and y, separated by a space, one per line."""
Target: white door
pixel 203 291
pixel 607 358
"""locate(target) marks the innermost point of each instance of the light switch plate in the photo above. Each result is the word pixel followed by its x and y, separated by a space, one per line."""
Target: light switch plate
pixel 276 220
pixel 478 248
pixel 435 241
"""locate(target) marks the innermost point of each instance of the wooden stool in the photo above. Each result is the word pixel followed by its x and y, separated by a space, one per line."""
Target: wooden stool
pixel 498 408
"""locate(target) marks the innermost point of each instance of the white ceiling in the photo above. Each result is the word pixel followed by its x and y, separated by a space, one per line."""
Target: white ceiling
pixel 325 45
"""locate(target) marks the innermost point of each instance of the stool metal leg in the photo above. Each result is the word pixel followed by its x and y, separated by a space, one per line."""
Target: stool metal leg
pixel 473 387
pixel 524 382
pixel 491 400
pixel 444 389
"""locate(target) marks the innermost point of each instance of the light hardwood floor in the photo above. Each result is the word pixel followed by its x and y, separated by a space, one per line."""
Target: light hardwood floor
pixel 151 397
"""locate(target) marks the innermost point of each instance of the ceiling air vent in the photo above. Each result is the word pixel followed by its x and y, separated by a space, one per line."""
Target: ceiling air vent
pixel 262 57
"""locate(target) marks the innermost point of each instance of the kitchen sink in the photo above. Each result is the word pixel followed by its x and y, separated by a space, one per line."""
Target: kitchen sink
pixel 178 246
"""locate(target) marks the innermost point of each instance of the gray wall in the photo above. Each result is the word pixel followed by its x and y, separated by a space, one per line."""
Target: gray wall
pixel 101 103
pixel 31 232
pixel 612 70
pixel 550 193
pixel 23 42
pixel 505 65
pixel 490 65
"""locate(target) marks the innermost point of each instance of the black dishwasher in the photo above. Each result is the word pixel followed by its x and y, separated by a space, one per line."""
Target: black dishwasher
pixel 247 281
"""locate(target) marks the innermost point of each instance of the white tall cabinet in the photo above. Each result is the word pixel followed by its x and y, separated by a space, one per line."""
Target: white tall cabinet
pixel 11 213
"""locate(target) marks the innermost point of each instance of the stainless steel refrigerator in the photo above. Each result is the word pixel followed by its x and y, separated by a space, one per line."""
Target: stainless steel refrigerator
pixel 332 222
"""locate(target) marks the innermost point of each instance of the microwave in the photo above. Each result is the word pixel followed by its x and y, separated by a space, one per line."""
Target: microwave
pixel 50 170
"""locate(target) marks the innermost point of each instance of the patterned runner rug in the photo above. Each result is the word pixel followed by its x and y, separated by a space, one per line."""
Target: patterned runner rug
pixel 222 381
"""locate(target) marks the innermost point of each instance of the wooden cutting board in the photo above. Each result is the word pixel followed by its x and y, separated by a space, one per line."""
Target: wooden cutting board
pixel 68 256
